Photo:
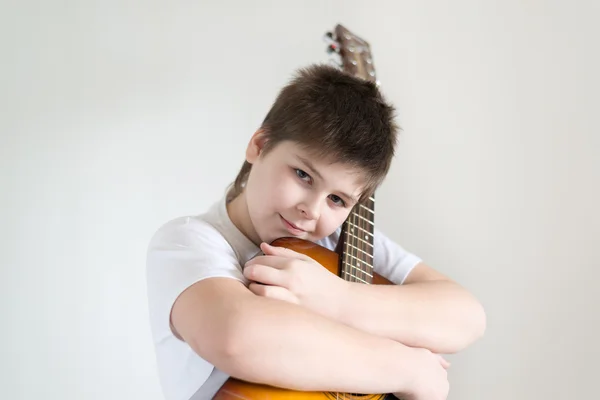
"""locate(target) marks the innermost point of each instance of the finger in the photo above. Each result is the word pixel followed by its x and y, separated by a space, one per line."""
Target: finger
pixel 272 292
pixel 264 274
pixel 273 261
pixel 282 251
pixel 444 362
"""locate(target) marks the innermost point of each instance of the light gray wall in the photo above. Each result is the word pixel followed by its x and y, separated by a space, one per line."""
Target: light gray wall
pixel 116 116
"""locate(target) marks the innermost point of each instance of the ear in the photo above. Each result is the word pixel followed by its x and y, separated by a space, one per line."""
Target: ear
pixel 255 146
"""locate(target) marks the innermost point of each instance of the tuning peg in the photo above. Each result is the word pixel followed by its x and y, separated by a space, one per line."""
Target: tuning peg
pixel 329 39
pixel 333 48
pixel 332 45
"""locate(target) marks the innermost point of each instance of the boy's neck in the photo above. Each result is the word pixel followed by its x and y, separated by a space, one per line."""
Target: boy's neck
pixel 237 210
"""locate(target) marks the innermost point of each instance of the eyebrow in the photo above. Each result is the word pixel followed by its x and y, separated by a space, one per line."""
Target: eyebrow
pixel 314 171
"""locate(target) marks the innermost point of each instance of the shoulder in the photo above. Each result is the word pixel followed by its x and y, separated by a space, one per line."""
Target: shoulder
pixel 185 231
pixel 182 252
pixel 190 244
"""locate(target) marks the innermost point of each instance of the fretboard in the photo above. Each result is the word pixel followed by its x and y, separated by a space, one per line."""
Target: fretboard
pixel 357 243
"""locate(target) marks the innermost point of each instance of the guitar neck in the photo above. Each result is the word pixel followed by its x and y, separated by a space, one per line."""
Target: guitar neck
pixel 356 241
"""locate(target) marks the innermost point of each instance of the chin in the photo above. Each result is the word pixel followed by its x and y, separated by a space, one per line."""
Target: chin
pixel 268 238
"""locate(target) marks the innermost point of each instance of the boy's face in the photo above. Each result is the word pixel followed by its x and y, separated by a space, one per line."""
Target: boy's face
pixel 289 193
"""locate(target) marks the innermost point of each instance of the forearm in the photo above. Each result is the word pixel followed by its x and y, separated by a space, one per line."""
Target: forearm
pixel 437 315
pixel 284 345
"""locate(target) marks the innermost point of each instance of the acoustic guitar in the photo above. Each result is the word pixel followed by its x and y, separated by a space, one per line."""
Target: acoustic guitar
pixel 353 258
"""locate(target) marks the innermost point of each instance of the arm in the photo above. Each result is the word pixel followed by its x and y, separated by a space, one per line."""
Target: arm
pixel 273 342
pixel 428 310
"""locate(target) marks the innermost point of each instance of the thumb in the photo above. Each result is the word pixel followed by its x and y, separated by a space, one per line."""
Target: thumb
pixel 268 249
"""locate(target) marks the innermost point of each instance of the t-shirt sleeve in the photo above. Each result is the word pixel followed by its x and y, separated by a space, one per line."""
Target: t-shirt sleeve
pixel 390 260
pixel 181 253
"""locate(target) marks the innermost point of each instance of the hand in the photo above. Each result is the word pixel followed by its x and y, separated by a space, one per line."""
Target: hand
pixel 429 380
pixel 294 277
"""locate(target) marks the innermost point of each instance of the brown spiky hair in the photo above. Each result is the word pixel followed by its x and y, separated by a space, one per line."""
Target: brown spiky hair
pixel 335 117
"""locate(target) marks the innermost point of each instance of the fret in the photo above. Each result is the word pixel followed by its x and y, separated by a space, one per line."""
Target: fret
pixel 362 240
pixel 367 208
pixel 361 250
pixel 355 277
pixel 358 242
pixel 369 233
pixel 359 227
pixel 362 261
pixel 369 221
pixel 356 274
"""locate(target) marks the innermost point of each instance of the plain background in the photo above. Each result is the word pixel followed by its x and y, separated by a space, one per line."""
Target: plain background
pixel 117 116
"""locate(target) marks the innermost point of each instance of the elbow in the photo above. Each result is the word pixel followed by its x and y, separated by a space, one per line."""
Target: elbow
pixel 479 322
pixel 231 360
pixel 220 345
pixel 226 346
pixel 226 353
pixel 472 329
pixel 233 357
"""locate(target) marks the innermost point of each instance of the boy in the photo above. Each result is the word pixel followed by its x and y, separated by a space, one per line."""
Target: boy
pixel 280 318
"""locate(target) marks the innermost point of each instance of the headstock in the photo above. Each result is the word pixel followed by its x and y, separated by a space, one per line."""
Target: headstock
pixel 352 52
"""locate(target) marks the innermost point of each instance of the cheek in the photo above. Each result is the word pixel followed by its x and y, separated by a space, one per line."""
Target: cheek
pixel 257 191
pixel 284 190
pixel 274 188
pixel 330 221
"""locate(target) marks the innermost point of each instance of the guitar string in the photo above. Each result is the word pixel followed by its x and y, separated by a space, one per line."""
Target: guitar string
pixel 358 222
pixel 360 228
pixel 361 222
pixel 345 267
pixel 370 228
pixel 367 208
pixel 347 253
pixel 355 256
pixel 368 268
pixel 364 218
pixel 351 249
pixel 358 264
pixel 354 252
pixel 367 254
pixel 356 241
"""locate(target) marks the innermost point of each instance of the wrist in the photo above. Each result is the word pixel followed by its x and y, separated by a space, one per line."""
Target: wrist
pixel 404 361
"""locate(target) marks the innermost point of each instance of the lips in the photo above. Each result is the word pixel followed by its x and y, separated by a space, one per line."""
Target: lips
pixel 291 226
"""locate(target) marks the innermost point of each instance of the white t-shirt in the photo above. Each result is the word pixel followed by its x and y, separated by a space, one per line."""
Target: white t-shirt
pixel 189 249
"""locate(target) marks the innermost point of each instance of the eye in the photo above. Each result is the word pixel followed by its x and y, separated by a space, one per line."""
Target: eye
pixel 302 175
pixel 337 200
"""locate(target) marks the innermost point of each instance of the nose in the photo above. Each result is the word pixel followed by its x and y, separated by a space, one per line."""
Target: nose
pixel 310 207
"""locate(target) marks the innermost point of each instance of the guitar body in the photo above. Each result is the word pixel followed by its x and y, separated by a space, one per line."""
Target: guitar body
pixel 235 389
pixel 352 260
pixel 327 258
pixel 238 390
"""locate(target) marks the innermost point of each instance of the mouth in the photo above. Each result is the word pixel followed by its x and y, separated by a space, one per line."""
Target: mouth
pixel 291 227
